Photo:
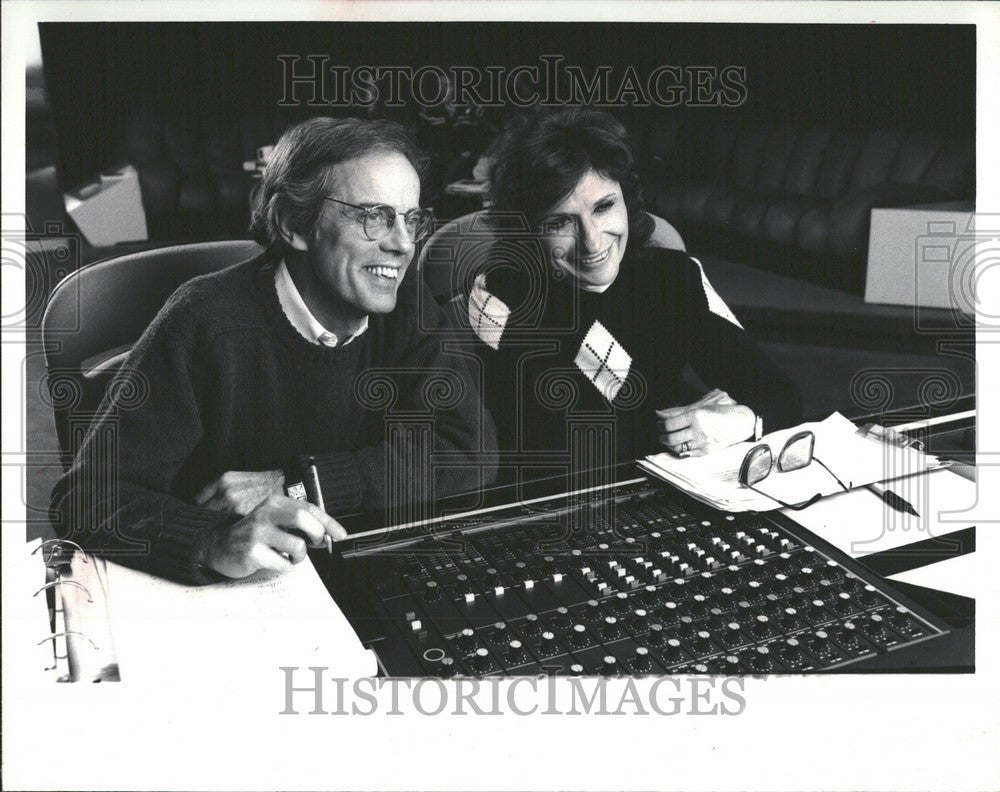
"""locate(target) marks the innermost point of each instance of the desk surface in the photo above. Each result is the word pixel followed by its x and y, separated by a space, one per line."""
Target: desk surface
pixel 933 552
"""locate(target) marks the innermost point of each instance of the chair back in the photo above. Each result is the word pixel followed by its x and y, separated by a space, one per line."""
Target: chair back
pixel 457 249
pixel 95 315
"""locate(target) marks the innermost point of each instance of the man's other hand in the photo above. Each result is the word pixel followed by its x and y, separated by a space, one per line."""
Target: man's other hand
pixel 274 536
pixel 240 491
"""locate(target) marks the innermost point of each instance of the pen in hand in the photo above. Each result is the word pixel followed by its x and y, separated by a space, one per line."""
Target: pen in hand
pixel 314 474
pixel 893 500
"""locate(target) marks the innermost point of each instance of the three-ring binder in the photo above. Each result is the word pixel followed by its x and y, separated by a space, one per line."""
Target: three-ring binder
pixel 77 602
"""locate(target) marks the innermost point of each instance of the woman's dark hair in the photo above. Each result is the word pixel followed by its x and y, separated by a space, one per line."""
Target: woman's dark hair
pixel 299 173
pixel 541 156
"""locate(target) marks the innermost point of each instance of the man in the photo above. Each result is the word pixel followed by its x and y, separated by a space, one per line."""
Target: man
pixel 259 378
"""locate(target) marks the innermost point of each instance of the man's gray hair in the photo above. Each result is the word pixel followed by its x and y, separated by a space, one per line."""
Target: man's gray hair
pixel 299 173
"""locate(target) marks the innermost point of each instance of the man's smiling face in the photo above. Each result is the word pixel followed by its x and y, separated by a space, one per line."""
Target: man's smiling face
pixel 359 275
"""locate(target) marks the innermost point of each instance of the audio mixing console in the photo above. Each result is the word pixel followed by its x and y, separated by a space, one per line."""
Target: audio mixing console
pixel 630 579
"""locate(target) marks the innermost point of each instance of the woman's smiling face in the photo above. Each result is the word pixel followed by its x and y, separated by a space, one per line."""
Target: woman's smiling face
pixel 585 235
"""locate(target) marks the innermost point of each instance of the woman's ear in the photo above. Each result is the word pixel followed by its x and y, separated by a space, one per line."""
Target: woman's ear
pixel 291 237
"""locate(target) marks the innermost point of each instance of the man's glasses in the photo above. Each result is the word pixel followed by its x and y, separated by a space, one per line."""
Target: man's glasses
pixel 379 219
pixel 797 454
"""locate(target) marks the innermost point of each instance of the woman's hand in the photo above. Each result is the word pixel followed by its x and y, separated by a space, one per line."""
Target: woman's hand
pixel 713 422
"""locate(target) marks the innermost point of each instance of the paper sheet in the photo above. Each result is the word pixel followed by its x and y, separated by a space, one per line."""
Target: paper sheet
pixel 240 630
pixel 855 460
pixel 859 523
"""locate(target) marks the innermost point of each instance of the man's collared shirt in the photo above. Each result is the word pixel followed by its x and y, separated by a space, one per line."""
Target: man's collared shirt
pixel 301 317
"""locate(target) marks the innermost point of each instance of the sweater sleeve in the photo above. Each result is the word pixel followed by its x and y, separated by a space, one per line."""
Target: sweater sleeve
pixel 726 357
pixel 438 438
pixel 115 500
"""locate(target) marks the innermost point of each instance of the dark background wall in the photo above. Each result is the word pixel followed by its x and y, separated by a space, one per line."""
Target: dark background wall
pixel 860 76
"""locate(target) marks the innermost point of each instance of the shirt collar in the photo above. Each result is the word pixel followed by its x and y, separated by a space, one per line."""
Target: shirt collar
pixel 301 317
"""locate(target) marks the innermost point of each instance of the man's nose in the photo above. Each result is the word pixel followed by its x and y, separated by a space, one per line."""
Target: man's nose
pixel 398 239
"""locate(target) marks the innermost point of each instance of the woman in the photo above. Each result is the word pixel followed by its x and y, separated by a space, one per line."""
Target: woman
pixel 600 345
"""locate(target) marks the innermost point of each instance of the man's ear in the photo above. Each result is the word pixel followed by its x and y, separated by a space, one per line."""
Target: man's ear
pixel 292 238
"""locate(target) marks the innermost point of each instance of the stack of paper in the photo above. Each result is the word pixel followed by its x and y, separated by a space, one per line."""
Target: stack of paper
pixel 236 630
pixel 856 461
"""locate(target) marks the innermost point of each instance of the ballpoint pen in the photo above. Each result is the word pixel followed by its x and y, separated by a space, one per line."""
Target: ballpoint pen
pixel 892 499
pixel 314 474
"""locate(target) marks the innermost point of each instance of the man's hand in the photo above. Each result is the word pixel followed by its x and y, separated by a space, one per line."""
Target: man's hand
pixel 713 422
pixel 274 536
pixel 240 492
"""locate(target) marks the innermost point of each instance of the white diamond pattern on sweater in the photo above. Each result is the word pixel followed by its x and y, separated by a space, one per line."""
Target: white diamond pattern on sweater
pixel 487 314
pixel 603 361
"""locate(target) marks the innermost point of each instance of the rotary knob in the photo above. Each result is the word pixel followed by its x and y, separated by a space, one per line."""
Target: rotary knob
pixel 820 642
pixel 432 591
pixel 466 640
pixel 672 651
pixel 637 619
pixel 656 635
pixel 620 603
pixel 480 661
pixel 515 652
pixel 702 642
pixel 610 666
pixel 790 651
pixel 876 627
pixel 447 668
pixel 531 626
pixel 610 628
pixel 641 662
pixel 760 660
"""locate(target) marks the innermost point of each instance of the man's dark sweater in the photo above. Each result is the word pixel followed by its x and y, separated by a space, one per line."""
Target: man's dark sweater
pixel 222 381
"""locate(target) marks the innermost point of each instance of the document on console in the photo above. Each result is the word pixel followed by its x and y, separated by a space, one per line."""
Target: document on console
pixel 238 628
pixel 854 459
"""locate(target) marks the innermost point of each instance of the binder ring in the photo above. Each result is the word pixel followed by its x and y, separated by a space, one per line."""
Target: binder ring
pixel 65 634
pixel 58 549
pixel 52 583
